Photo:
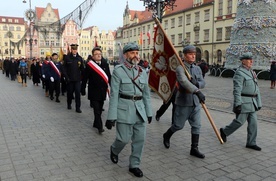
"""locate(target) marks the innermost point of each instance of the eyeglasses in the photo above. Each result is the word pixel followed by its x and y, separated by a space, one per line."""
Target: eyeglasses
pixel 98 54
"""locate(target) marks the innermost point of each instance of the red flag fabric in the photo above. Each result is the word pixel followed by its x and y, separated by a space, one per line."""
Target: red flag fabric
pixel 141 39
pixel 162 77
pixel 148 35
pixel 96 43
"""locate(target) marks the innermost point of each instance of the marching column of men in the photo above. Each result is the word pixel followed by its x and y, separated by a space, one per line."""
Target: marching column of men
pixel 130 100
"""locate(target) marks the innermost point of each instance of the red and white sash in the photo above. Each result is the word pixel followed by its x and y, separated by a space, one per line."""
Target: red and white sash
pixel 55 68
pixel 100 72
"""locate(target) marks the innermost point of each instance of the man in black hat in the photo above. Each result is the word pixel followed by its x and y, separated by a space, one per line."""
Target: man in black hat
pixel 247 101
pixel 187 101
pixel 72 69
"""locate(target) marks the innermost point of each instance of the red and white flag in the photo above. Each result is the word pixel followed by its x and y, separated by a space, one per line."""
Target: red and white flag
pixel 162 77
pixel 148 35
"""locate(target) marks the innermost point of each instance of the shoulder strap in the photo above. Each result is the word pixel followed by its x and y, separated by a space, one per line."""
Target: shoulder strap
pixel 132 80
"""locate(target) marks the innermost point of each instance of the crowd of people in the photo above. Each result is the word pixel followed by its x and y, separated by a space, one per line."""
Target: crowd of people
pixel 129 97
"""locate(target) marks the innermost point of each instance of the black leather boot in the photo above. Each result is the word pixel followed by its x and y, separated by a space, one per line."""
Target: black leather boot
pixel 166 138
pixel 194 149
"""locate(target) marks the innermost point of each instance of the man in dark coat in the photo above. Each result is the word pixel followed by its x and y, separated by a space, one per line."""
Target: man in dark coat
pixel 6 65
pixel 35 74
pixel 72 69
pixel 13 67
pixel 98 75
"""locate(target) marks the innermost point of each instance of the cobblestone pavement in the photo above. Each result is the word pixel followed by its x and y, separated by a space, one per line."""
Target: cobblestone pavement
pixel 41 140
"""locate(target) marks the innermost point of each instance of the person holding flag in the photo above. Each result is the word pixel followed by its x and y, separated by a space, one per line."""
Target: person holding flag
pixel 55 76
pixel 129 107
pixel 98 75
pixel 187 101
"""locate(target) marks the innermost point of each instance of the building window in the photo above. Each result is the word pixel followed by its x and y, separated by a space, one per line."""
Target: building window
pixel 139 31
pixel 227 33
pixel 11 28
pixel 173 39
pixel 220 8
pixel 219 34
pixel 172 23
pixel 130 33
pixel 18 28
pixel 180 21
pixel 166 24
pixel 188 19
pixel 180 38
pixel 148 28
pixel 143 29
pixel 3 20
pixel 196 17
pixel 229 7
pixel 5 28
pixel 207 15
pixel 10 20
pixel 206 35
pixel 18 36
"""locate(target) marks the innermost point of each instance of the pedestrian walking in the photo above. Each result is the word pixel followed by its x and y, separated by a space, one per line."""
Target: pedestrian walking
pixel 55 75
pixel 73 68
pixel 129 107
pixel 35 72
pixel 165 106
pixel 272 74
pixel 247 101
pixel 45 73
pixel 13 67
pixel 98 75
pixel 23 70
pixel 187 101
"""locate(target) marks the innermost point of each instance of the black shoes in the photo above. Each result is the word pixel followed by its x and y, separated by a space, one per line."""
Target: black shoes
pixel 78 110
pixel 114 158
pixel 166 141
pixel 101 131
pixel 52 98
pixel 195 152
pixel 57 100
pixel 254 147
pixel 223 136
pixel 69 107
pixel 136 171
pixel 157 118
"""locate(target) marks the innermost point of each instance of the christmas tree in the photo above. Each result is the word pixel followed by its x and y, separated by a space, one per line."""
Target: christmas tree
pixel 254 30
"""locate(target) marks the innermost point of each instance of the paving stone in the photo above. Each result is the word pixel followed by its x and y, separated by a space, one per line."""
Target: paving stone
pixel 57 144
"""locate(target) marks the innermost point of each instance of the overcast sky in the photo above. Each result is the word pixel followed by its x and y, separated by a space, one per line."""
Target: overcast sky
pixel 106 14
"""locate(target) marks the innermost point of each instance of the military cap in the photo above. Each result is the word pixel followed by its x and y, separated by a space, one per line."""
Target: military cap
pixel 247 55
pixel 74 46
pixel 189 49
pixel 48 54
pixel 54 54
pixel 130 47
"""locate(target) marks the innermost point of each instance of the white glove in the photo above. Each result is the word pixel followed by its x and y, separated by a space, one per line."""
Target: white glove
pixel 43 76
pixel 52 79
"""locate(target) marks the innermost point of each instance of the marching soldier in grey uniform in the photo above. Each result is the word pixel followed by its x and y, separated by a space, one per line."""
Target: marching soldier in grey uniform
pixel 247 100
pixel 187 103
pixel 130 107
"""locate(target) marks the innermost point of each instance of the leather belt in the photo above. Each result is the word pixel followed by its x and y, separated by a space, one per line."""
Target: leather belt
pixel 249 95
pixel 134 98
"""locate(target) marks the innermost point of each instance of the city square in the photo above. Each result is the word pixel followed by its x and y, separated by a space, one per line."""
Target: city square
pixel 42 140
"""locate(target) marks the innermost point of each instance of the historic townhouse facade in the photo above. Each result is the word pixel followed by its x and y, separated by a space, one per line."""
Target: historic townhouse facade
pixel 12 29
pixel 205 24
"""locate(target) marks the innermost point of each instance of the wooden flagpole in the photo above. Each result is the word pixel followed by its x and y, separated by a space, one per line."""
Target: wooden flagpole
pixel 189 77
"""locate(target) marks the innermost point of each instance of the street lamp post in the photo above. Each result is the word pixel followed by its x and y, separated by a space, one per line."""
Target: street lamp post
pixel 158 6
pixel 30 15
